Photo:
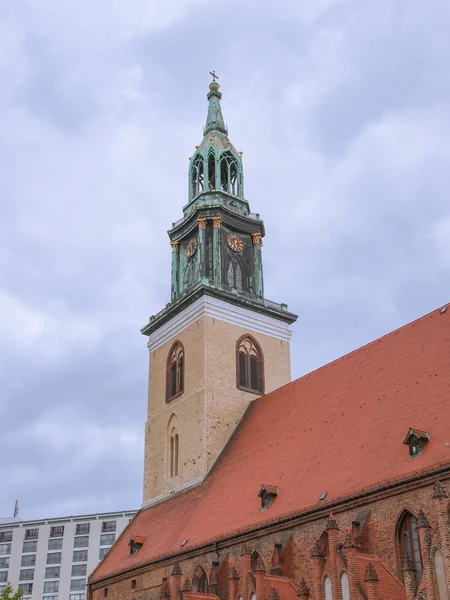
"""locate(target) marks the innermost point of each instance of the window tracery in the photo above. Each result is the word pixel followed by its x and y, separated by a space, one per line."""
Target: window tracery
pixel 211 170
pixel 229 174
pixel 175 372
pixel 408 542
pixel 250 365
pixel 200 581
pixel 197 176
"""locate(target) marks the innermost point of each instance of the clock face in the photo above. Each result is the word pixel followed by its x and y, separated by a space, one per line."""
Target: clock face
pixel 191 247
pixel 235 242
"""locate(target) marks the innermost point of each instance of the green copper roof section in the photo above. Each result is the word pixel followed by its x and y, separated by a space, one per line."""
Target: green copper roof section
pixel 214 120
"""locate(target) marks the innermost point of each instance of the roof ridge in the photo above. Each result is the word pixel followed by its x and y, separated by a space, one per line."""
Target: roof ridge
pixel 364 346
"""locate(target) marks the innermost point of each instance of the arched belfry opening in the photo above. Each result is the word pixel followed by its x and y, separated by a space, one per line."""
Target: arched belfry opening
pixel 211 170
pixel 197 176
pixel 229 180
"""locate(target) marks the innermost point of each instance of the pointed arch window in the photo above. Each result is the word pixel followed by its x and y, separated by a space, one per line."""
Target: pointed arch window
pixel 328 589
pixel 173 447
pixel 200 581
pixel 211 171
pixel 175 372
pixel 229 174
pixel 234 275
pixel 440 576
pixel 249 365
pixel 174 452
pixel 345 588
pixel 197 176
pixel 408 542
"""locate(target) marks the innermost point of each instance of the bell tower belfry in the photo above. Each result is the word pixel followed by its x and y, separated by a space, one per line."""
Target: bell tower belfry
pixel 218 344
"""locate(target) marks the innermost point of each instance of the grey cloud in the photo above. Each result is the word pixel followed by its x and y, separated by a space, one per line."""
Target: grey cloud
pixel 341 109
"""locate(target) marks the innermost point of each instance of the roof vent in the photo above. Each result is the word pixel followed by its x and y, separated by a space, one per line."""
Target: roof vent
pixel 267 493
pixel 323 496
pixel 136 542
pixel 184 542
pixel 416 440
pixel 443 310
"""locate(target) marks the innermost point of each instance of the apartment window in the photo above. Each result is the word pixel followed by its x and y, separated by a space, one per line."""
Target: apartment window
pixel 6 536
pixel 57 531
pixel 77 584
pixel 80 556
pixel 26 574
pixel 54 558
pixel 4 563
pixel 52 572
pixel 29 547
pixel 108 526
pixel 76 597
pixel 102 553
pixel 29 560
pixel 2 588
pixel 79 570
pixel 50 598
pixel 3 576
pixel 81 542
pixel 27 588
pixel 5 548
pixel 55 544
pixel 51 586
pixel 107 539
pixel 31 534
pixel 83 528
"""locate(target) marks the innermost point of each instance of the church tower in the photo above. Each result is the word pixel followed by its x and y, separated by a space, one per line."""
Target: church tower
pixel 218 344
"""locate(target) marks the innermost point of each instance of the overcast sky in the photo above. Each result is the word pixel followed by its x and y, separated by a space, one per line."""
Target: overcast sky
pixel 341 108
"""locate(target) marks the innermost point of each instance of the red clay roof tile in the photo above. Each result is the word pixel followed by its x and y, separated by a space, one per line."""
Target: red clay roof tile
pixel 340 429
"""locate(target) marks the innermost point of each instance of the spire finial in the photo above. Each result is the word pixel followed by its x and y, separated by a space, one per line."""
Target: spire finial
pixel 214 120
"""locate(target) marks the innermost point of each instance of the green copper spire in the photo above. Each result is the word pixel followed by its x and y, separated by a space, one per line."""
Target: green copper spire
pixel 214 120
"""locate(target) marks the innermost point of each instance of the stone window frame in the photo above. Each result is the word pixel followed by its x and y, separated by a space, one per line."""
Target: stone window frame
pixel 175 358
pixel 401 529
pixel 259 355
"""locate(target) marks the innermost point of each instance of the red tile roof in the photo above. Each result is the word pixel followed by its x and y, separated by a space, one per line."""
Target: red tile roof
pixel 338 430
pixel 388 585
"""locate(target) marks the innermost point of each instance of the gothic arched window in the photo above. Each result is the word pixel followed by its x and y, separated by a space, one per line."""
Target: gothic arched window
pixel 440 575
pixel 211 171
pixel 328 590
pixel 408 541
pixel 175 371
pixel 173 450
pixel 197 176
pixel 229 181
pixel 345 588
pixel 253 560
pixel 200 581
pixel 249 365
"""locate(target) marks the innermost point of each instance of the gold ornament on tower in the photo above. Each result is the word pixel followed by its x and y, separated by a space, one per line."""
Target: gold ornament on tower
pixel 192 246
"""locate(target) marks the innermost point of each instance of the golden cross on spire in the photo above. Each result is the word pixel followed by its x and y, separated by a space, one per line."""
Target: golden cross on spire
pixel 214 76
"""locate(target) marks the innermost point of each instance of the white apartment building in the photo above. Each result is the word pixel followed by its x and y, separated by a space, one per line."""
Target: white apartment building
pixel 50 559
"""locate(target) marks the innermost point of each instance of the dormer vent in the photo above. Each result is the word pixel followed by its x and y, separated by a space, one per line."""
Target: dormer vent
pixel 267 493
pixel 416 440
pixel 136 542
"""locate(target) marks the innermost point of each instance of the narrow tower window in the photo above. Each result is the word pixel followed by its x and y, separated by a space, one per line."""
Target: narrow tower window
pixel 175 372
pixel 408 542
pixel 250 365
pixel 173 447
pixel 211 171
pixel 197 176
